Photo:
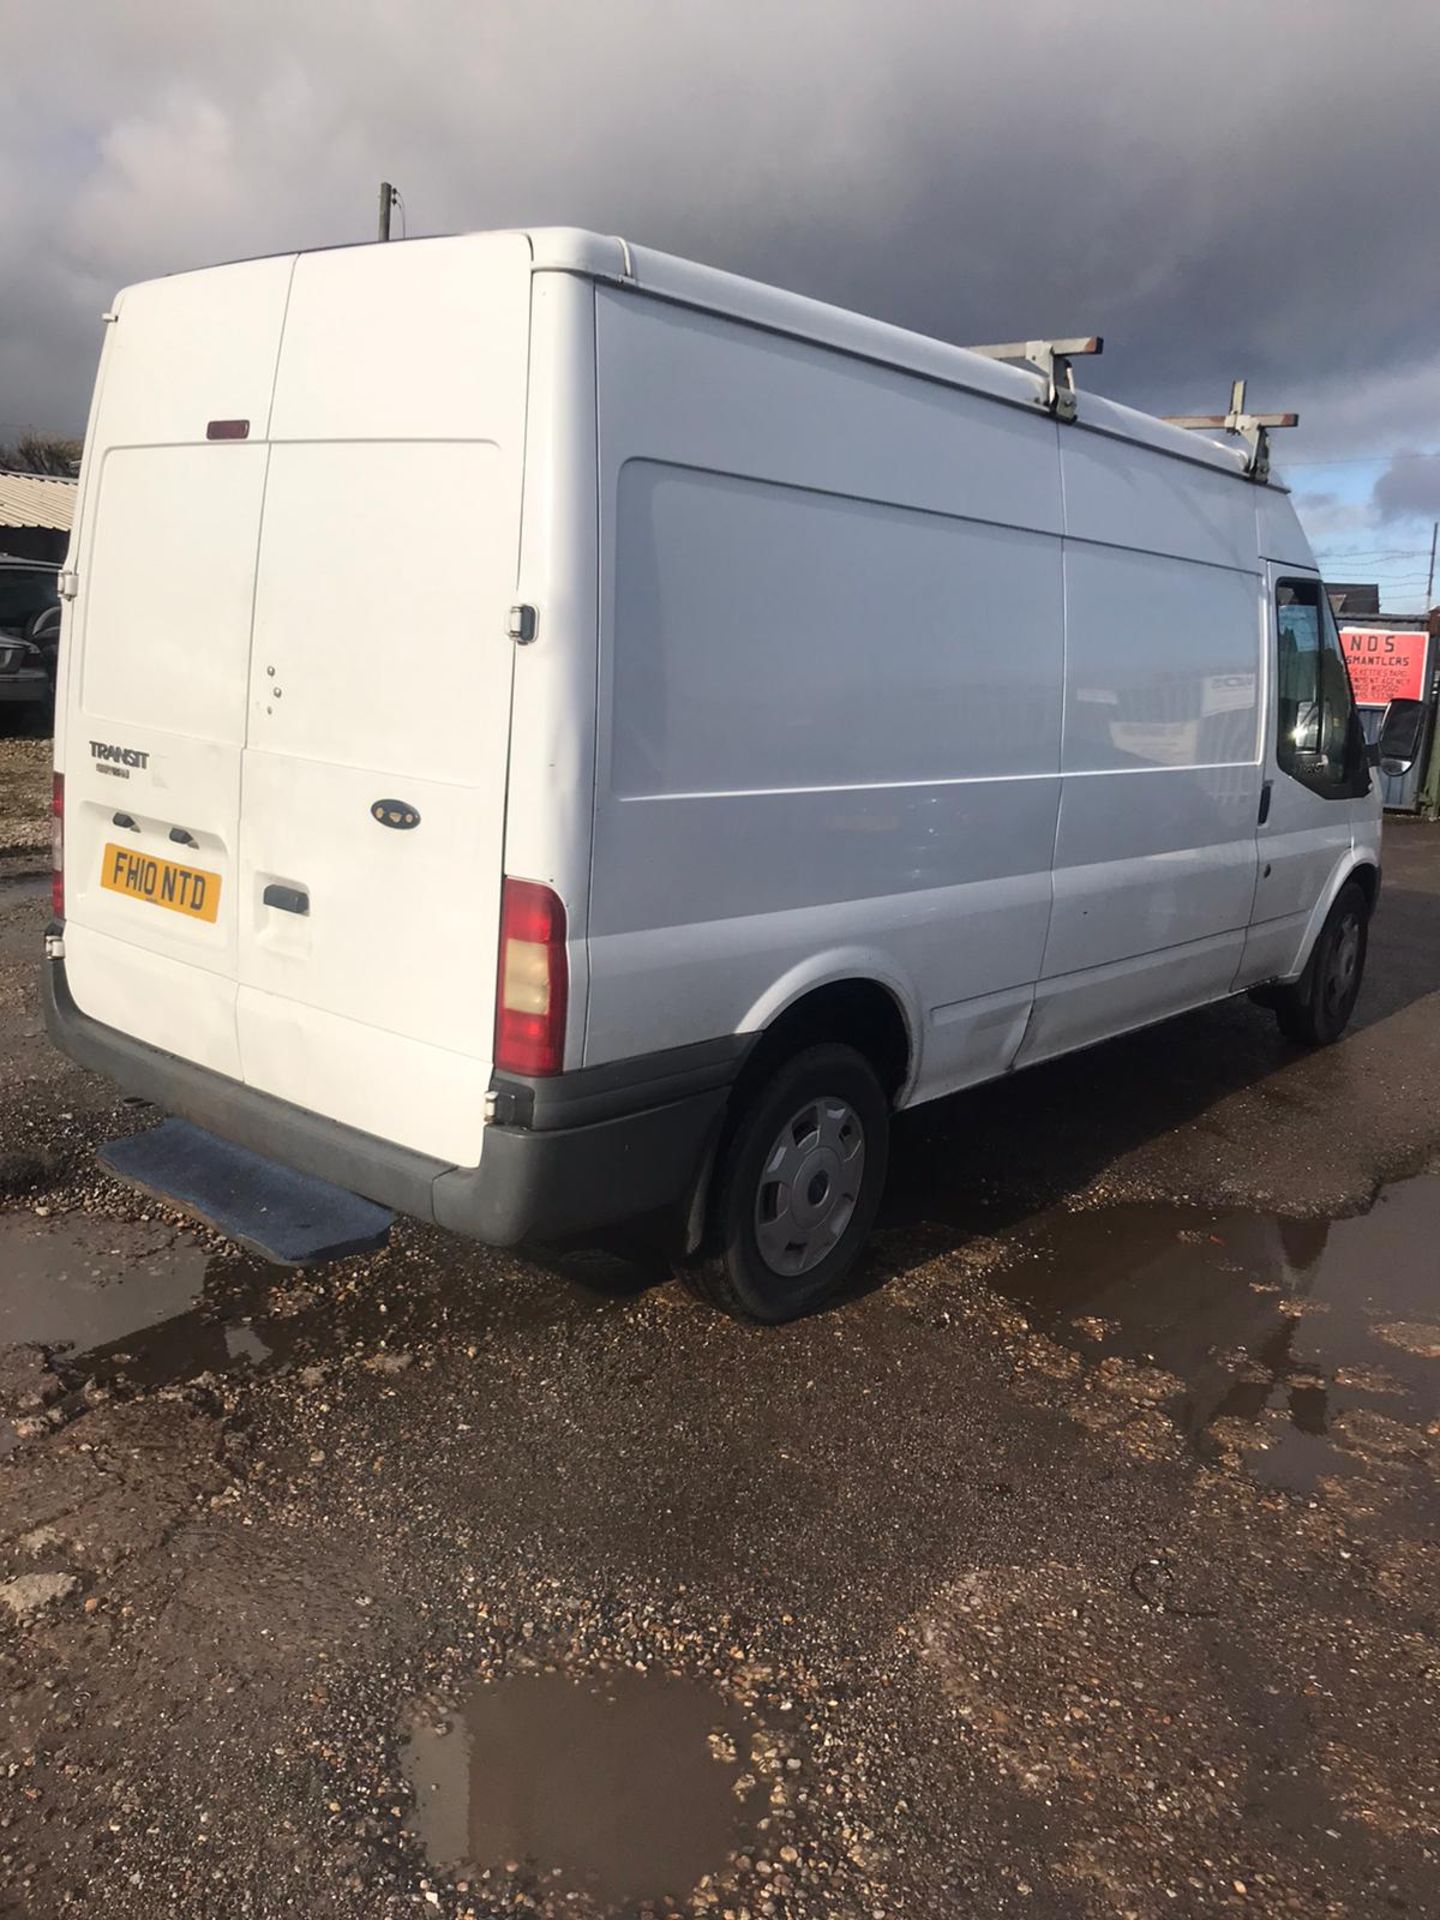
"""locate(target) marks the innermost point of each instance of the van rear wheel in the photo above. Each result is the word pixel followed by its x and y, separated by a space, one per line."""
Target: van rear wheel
pixel 1316 1010
pixel 798 1187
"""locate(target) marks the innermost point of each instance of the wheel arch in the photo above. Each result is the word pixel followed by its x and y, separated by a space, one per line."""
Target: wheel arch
pixel 849 999
pixel 1360 866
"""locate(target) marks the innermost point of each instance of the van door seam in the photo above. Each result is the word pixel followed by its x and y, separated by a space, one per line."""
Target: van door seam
pixel 237 856
pixel 603 720
pixel 510 648
pixel 1264 722
pixel 1064 707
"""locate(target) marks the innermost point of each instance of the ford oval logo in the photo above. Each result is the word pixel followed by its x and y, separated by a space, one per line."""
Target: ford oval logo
pixel 395 813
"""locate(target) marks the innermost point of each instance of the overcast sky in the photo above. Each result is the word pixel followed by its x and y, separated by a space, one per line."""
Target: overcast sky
pixel 1234 187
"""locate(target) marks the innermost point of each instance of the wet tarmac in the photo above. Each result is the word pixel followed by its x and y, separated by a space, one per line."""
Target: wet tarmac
pixel 627 1786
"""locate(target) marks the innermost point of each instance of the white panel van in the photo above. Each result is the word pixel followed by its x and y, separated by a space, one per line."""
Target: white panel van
pixel 551 736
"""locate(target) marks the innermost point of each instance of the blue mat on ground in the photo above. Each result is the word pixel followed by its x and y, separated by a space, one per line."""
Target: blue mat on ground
pixel 284 1216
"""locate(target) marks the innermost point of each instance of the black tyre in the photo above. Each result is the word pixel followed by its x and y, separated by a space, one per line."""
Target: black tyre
pixel 797 1187
pixel 1315 1011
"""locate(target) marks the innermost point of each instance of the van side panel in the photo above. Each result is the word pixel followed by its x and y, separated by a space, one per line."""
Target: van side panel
pixel 1120 494
pixel 1279 535
pixel 1155 852
pixel 831 633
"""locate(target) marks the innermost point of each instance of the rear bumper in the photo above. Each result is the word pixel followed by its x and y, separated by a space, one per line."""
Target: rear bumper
pixel 567 1157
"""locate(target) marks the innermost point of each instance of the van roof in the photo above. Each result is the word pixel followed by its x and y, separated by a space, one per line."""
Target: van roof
pixel 669 277
pixel 666 276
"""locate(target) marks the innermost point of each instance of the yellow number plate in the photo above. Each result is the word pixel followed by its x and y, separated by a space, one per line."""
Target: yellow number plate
pixel 162 883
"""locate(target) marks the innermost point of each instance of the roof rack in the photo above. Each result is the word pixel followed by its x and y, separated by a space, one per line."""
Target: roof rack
pixel 1253 428
pixel 1052 358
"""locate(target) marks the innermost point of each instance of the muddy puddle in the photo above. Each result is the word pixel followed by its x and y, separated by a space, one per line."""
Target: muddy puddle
pixel 1312 1345
pixel 624 1786
pixel 85 1281
pixel 139 1302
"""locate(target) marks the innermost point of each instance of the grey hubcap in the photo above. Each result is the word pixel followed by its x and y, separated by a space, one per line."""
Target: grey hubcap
pixel 1344 962
pixel 809 1186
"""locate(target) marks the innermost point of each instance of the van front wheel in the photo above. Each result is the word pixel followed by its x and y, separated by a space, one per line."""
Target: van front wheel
pixel 1316 1010
pixel 798 1187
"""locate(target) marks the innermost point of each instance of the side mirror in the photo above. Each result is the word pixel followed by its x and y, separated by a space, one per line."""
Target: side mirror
pixel 1400 731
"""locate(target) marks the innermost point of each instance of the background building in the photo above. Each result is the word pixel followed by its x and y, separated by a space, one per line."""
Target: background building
pixel 37 511
pixel 1396 656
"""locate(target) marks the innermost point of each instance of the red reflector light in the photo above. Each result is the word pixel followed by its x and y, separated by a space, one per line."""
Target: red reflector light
pixel 531 991
pixel 228 430
pixel 57 847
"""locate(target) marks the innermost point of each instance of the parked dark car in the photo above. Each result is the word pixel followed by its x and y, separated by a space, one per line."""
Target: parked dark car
pixel 29 639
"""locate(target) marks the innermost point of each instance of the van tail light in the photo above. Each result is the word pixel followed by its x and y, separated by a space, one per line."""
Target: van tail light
pixel 534 980
pixel 57 847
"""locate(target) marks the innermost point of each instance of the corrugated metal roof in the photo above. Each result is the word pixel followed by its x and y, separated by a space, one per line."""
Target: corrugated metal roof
pixel 37 500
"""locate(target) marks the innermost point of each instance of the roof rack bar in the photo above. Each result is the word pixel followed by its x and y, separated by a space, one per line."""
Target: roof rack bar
pixel 1253 428
pixel 1051 358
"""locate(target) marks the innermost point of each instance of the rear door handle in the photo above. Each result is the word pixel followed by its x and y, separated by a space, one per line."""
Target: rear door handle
pixel 288 899
pixel 1265 802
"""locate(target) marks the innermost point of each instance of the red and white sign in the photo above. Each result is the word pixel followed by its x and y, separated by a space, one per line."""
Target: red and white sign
pixel 1385 666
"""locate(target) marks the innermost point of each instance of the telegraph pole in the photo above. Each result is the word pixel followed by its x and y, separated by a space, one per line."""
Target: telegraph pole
pixel 1430 582
pixel 388 196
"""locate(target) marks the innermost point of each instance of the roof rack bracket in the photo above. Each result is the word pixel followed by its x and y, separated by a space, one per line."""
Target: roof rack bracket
pixel 1253 428
pixel 1052 359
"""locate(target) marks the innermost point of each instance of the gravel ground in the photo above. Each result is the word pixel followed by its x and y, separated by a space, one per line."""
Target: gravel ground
pixel 24 801
pixel 1085 1564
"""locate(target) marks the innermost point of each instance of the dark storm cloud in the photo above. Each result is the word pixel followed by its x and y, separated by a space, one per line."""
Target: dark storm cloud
pixel 1234 188
pixel 1409 489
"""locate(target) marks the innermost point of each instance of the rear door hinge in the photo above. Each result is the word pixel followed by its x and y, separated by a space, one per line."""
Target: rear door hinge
pixel 522 624
pixel 67 585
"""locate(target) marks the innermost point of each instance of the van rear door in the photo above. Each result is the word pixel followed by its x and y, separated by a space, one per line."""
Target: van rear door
pixel 158 668
pixel 374 772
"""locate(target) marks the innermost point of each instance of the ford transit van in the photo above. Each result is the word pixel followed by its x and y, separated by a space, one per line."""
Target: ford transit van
pixel 551 735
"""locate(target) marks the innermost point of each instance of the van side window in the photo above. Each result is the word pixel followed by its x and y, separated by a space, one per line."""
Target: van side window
pixel 1317 739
